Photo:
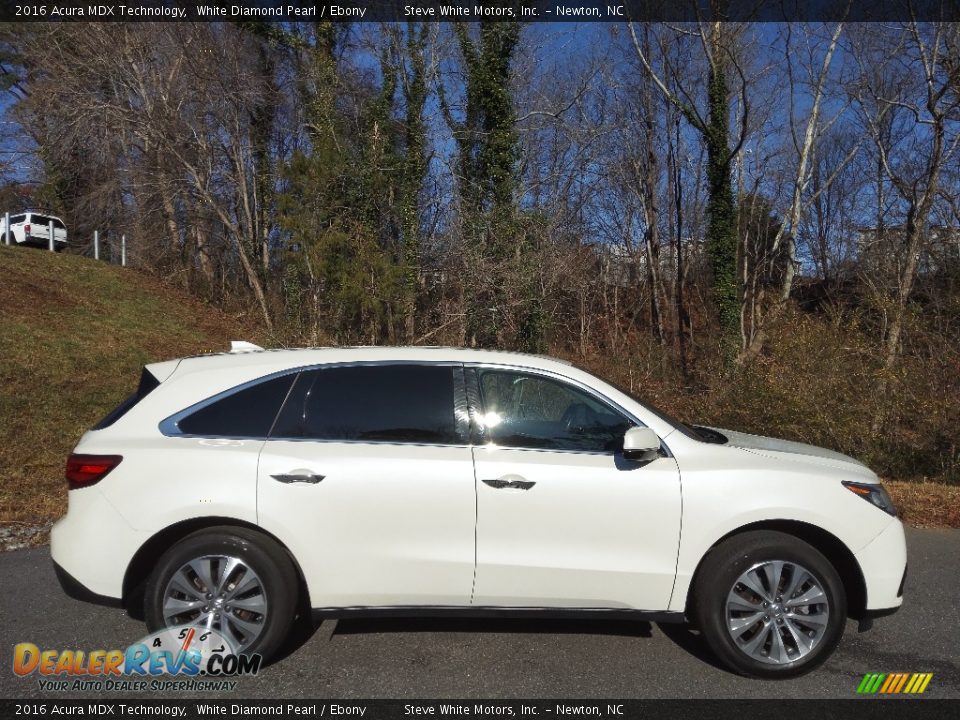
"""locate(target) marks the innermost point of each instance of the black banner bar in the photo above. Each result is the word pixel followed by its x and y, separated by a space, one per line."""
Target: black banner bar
pixel 493 10
pixel 606 709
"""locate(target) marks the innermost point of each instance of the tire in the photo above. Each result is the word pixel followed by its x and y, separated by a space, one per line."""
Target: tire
pixel 732 586
pixel 265 601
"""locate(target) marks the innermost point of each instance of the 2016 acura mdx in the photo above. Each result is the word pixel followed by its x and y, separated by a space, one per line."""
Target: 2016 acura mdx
pixel 230 486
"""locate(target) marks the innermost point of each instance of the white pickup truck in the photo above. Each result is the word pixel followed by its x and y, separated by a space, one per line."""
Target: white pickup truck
pixel 33 228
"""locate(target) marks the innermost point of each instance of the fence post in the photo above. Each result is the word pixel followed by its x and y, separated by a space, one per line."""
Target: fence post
pixel 96 245
pixel 50 239
pixel 123 251
pixel 6 228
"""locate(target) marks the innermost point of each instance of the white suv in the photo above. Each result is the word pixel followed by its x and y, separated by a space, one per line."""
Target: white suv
pixel 33 228
pixel 234 491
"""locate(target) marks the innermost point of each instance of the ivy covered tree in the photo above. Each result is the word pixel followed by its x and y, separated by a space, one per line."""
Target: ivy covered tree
pixel 500 298
pixel 718 40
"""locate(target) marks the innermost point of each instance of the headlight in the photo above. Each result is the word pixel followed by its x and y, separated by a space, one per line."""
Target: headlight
pixel 873 493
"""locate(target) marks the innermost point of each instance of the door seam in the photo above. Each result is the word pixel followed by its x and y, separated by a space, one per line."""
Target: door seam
pixel 476 520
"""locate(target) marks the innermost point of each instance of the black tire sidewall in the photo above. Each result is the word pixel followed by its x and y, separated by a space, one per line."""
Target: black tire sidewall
pixel 727 562
pixel 264 556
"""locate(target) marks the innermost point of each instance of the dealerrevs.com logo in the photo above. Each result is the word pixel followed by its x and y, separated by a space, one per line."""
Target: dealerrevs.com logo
pixel 894 683
pixel 180 659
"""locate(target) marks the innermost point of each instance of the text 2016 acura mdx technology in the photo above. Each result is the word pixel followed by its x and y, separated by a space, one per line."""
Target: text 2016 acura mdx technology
pixel 232 489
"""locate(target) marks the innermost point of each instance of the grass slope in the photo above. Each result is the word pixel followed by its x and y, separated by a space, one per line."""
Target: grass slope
pixel 74 334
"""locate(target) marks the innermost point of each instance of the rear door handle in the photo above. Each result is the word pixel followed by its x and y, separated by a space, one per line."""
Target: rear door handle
pixel 510 482
pixel 298 476
pixel 497 484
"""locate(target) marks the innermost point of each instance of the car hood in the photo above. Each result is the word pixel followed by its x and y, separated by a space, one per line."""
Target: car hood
pixel 810 453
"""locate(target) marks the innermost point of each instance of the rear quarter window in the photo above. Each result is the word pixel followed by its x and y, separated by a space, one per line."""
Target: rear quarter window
pixel 248 412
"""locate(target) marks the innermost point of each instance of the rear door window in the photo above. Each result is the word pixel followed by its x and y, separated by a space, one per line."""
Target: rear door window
pixel 373 403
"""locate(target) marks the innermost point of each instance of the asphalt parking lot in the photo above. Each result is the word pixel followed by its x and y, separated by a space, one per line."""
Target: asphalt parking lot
pixel 417 658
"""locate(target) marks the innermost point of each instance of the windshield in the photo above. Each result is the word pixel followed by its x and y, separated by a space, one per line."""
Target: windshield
pixel 696 432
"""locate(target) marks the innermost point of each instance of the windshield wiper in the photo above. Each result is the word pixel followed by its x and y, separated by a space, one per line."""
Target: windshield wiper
pixel 708 435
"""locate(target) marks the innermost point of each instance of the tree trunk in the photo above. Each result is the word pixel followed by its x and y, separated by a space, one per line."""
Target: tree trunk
pixel 722 210
pixel 682 319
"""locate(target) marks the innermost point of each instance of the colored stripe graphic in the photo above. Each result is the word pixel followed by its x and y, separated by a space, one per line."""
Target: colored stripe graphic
pixel 894 683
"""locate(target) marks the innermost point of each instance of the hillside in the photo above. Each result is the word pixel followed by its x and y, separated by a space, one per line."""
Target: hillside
pixel 74 334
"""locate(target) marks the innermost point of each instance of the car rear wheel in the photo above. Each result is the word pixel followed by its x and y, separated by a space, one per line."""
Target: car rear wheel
pixel 235 581
pixel 769 605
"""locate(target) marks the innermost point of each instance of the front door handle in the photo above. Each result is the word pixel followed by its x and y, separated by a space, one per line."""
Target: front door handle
pixel 298 476
pixel 510 482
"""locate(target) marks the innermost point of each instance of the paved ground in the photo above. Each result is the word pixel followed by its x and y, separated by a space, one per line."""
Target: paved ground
pixel 516 659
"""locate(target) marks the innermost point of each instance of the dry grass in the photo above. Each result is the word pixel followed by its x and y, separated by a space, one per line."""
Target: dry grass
pixel 74 334
pixel 926 504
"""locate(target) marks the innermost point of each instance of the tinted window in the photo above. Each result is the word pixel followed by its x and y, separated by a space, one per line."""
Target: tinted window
pixel 390 403
pixel 147 383
pixel 45 221
pixel 17 219
pixel 530 411
pixel 246 413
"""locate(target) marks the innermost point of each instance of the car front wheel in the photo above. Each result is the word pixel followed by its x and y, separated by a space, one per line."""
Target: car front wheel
pixel 235 581
pixel 769 605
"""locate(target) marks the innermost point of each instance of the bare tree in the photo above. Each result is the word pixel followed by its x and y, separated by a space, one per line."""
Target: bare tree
pixel 718 41
pixel 908 106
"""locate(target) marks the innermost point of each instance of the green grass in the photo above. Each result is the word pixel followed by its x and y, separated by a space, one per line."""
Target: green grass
pixel 74 334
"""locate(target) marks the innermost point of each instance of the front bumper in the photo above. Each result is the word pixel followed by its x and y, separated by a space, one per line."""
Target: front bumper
pixel 884 564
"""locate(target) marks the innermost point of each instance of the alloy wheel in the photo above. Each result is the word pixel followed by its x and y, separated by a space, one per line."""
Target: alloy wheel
pixel 777 612
pixel 217 592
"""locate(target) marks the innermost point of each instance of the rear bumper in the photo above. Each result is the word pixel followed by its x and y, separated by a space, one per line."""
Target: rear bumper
pixel 884 565
pixel 37 241
pixel 78 591
pixel 92 546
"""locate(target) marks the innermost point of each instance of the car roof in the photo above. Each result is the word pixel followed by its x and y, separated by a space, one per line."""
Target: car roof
pixel 274 360
pixel 218 372
pixel 35 211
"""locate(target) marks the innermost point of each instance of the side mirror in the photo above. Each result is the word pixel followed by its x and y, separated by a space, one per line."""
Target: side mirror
pixel 640 443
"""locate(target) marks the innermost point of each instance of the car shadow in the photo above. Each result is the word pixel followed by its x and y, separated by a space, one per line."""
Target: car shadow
pixel 540 626
pixel 692 642
pixel 308 624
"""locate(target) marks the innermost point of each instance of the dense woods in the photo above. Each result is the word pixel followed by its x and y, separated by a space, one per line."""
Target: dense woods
pixel 752 225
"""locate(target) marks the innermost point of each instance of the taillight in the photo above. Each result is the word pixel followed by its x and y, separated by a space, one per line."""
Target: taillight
pixel 86 470
pixel 26 229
